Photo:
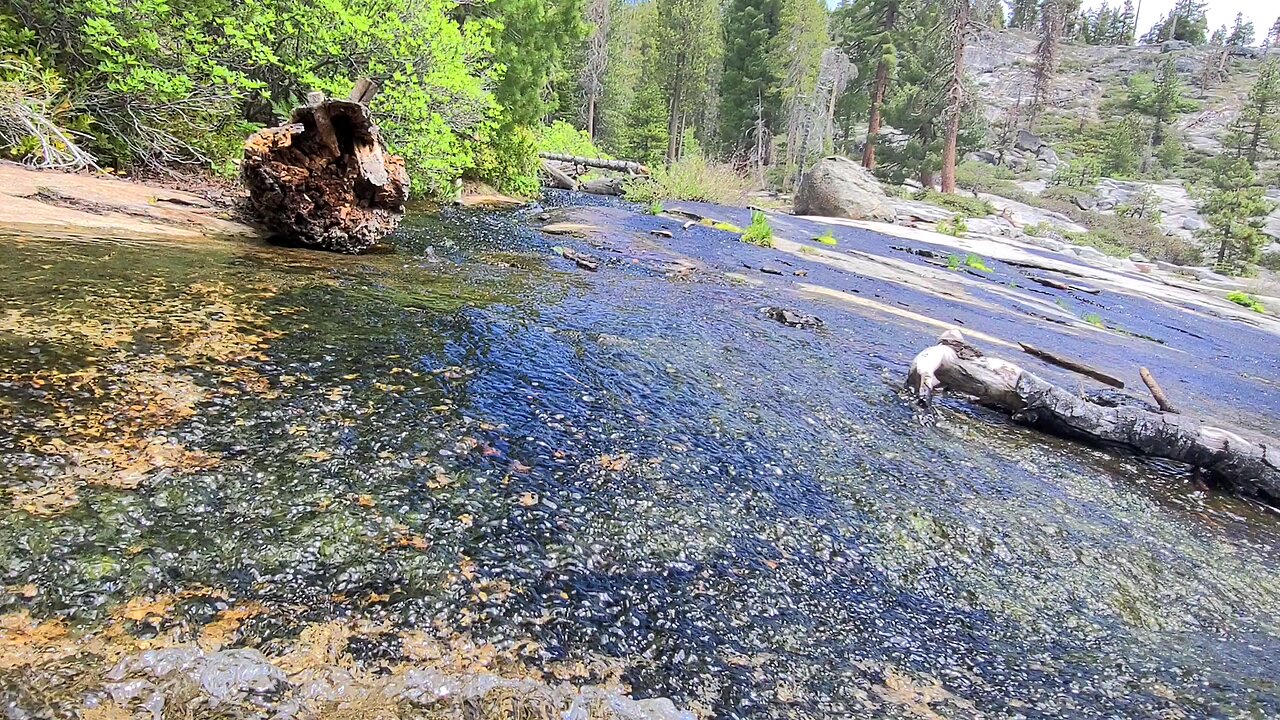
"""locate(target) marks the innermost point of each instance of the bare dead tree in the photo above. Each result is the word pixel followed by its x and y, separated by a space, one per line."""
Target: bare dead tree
pixel 959 26
pixel 591 78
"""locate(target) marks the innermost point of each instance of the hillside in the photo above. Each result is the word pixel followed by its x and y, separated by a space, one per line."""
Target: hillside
pixel 1001 63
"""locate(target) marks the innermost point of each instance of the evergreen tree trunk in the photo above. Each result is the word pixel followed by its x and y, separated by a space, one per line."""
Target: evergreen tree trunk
pixel 1052 19
pixel 676 108
pixel 955 94
pixel 873 122
pixel 877 92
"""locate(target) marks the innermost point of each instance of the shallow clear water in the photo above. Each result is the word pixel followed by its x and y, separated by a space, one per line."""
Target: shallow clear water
pixel 471 438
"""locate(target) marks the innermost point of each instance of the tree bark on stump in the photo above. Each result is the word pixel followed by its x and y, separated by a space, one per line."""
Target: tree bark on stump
pixel 324 179
pixel 1247 465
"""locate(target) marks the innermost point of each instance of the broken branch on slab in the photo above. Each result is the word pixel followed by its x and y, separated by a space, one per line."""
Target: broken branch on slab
pixel 1156 391
pixel 1072 365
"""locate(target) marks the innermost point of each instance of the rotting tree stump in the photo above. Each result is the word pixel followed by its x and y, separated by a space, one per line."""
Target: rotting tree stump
pixel 324 179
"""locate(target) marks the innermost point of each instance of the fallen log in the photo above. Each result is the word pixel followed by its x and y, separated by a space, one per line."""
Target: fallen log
pixel 558 178
pixel 1250 466
pixel 627 166
pixel 1072 365
pixel 324 179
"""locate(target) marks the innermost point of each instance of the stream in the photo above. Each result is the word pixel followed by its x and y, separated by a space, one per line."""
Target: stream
pixel 474 457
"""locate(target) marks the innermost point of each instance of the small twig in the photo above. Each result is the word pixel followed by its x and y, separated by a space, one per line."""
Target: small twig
pixel 1156 392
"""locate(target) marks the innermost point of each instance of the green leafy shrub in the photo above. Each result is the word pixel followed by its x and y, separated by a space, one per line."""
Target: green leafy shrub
pixel 1247 301
pixel 981 177
pixel 977 263
pixel 955 227
pixel 563 138
pixel 1037 229
pixel 162 82
pixel 967 206
pixel 827 238
pixel 655 208
pixel 1094 319
pixel 758 232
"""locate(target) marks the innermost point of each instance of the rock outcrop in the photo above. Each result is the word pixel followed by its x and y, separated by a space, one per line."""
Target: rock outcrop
pixel 839 187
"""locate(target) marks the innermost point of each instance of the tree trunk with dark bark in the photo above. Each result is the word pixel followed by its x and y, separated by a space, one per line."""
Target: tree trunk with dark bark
pixel 324 179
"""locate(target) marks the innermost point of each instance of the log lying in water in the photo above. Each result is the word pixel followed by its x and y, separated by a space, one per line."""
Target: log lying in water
pixel 324 179
pixel 1247 465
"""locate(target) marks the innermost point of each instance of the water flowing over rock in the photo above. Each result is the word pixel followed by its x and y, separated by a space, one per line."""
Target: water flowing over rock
pixel 324 179
pixel 840 187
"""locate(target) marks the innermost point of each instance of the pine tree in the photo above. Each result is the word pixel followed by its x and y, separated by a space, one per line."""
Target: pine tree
pixel 802 38
pixel 1186 21
pixel 1241 31
pixel 1235 207
pixel 1052 19
pixel 1024 14
pixel 878 28
pixel 1273 35
pixel 958 26
pixel 687 31
pixel 750 101
pixel 1255 134
pixel 1161 101
pixel 531 48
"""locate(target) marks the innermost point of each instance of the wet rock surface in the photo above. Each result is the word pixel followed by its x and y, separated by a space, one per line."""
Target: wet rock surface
pixel 473 465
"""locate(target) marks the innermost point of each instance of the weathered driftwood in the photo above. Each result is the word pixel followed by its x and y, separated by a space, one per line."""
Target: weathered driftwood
pixel 324 179
pixel 1157 392
pixel 557 178
pixel 627 166
pixel 1073 365
pixel 1248 465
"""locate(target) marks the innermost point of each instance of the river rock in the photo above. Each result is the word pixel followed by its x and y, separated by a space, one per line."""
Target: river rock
pixel 1047 155
pixel 839 187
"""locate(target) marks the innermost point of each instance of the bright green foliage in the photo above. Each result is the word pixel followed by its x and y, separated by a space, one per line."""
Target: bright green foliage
pixel 975 262
pixel 163 82
pixel 827 238
pixel 561 137
pixel 1095 320
pixel 1186 21
pixel 655 208
pixel 1235 208
pixel 955 227
pixel 758 232
pixel 1246 300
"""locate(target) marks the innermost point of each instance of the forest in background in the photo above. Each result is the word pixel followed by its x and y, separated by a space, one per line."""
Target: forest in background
pixel 717 95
